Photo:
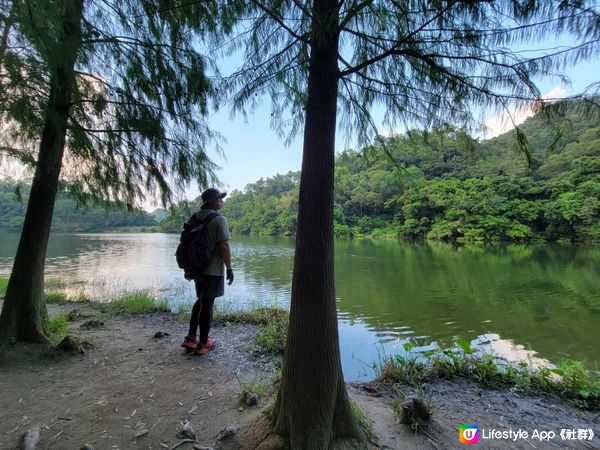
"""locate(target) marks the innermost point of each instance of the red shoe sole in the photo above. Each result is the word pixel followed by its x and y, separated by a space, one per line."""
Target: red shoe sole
pixel 204 349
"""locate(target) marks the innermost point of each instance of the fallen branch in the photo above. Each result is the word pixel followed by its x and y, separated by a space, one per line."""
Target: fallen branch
pixel 181 442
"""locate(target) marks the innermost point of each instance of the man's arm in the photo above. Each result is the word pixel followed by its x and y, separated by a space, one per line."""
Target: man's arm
pixel 226 256
pixel 225 253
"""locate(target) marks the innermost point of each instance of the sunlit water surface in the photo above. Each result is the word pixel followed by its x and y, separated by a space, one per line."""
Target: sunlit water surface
pixel 522 302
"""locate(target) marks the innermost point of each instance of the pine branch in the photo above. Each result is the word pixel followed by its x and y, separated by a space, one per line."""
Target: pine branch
pixel 394 49
pixel 304 38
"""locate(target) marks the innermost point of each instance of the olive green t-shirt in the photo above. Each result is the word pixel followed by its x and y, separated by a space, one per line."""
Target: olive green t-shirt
pixel 217 230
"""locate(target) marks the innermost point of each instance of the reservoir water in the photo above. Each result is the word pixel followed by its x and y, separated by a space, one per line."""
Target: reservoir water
pixel 521 302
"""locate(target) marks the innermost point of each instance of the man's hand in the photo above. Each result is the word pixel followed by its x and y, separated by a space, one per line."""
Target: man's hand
pixel 229 277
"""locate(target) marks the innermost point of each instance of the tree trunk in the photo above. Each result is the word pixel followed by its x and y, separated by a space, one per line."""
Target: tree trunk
pixel 24 308
pixel 312 409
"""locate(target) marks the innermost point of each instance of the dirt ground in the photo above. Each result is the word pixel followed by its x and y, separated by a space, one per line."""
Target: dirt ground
pixel 134 390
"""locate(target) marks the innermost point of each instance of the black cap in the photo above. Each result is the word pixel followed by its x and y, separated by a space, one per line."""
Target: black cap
pixel 212 194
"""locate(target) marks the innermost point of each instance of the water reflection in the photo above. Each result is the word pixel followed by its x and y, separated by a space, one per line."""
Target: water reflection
pixel 515 300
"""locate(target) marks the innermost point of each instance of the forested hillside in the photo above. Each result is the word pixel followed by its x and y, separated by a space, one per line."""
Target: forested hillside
pixel 447 186
pixel 68 217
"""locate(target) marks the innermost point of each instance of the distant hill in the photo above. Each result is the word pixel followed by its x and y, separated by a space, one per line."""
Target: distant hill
pixel 451 186
pixel 68 217
pixel 159 214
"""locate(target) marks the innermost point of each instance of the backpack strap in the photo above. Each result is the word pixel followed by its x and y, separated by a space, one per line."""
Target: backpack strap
pixel 193 221
pixel 208 218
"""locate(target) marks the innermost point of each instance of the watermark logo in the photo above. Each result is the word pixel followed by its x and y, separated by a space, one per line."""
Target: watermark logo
pixel 468 434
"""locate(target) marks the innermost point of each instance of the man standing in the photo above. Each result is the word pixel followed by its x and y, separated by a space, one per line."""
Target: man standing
pixel 210 282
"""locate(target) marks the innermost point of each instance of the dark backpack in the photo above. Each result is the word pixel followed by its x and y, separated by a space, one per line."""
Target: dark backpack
pixel 193 252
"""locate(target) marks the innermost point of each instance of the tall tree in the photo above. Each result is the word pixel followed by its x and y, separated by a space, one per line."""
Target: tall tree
pixel 426 62
pixel 106 97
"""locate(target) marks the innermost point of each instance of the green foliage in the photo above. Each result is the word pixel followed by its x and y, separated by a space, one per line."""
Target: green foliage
pixel 136 303
pixel 424 63
pixel 56 327
pixel 3 285
pixel 55 297
pixel 445 191
pixel 68 216
pixel 570 379
pixel 256 316
pixel 272 336
pixel 184 312
pixel 272 326
pixel 257 388
pixel 136 117
pixel 53 293
pixel 363 421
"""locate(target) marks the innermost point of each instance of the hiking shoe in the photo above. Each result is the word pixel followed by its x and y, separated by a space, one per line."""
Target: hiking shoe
pixel 201 350
pixel 204 349
pixel 190 342
pixel 210 343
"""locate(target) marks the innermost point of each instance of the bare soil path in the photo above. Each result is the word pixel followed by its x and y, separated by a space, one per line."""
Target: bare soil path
pixel 133 390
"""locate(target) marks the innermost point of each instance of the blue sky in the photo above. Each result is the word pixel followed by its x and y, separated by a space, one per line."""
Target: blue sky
pixel 253 151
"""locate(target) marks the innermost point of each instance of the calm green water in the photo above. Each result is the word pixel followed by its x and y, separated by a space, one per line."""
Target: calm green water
pixel 519 301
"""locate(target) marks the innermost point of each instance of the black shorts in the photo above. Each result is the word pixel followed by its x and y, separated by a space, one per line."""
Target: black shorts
pixel 209 286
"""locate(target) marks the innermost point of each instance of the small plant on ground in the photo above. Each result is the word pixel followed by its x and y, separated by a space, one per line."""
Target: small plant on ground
pixel 184 312
pixel 53 294
pixel 80 297
pixel 413 410
pixel 272 336
pixel 136 303
pixel 272 326
pixel 251 392
pixel 54 284
pixel 56 327
pixel 3 285
pixel 363 421
pixel 55 297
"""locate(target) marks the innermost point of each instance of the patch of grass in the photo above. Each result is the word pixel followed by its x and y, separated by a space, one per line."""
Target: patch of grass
pixel 272 336
pixel 56 327
pixel 184 312
pixel 136 303
pixel 3 285
pixel 80 297
pixel 256 388
pixel 570 379
pixel 55 297
pixel 54 284
pixel 256 316
pixel 272 326
pixel 363 421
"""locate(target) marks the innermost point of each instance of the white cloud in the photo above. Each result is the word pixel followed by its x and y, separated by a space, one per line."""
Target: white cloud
pixel 501 123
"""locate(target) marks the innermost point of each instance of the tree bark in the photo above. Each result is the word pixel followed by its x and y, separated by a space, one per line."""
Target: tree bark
pixel 312 409
pixel 24 309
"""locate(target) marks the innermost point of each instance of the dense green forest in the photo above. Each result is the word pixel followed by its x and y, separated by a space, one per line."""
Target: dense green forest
pixel 68 216
pixel 446 185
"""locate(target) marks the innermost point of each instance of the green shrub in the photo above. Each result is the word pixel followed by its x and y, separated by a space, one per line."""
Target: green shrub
pixel 137 303
pixel 56 327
